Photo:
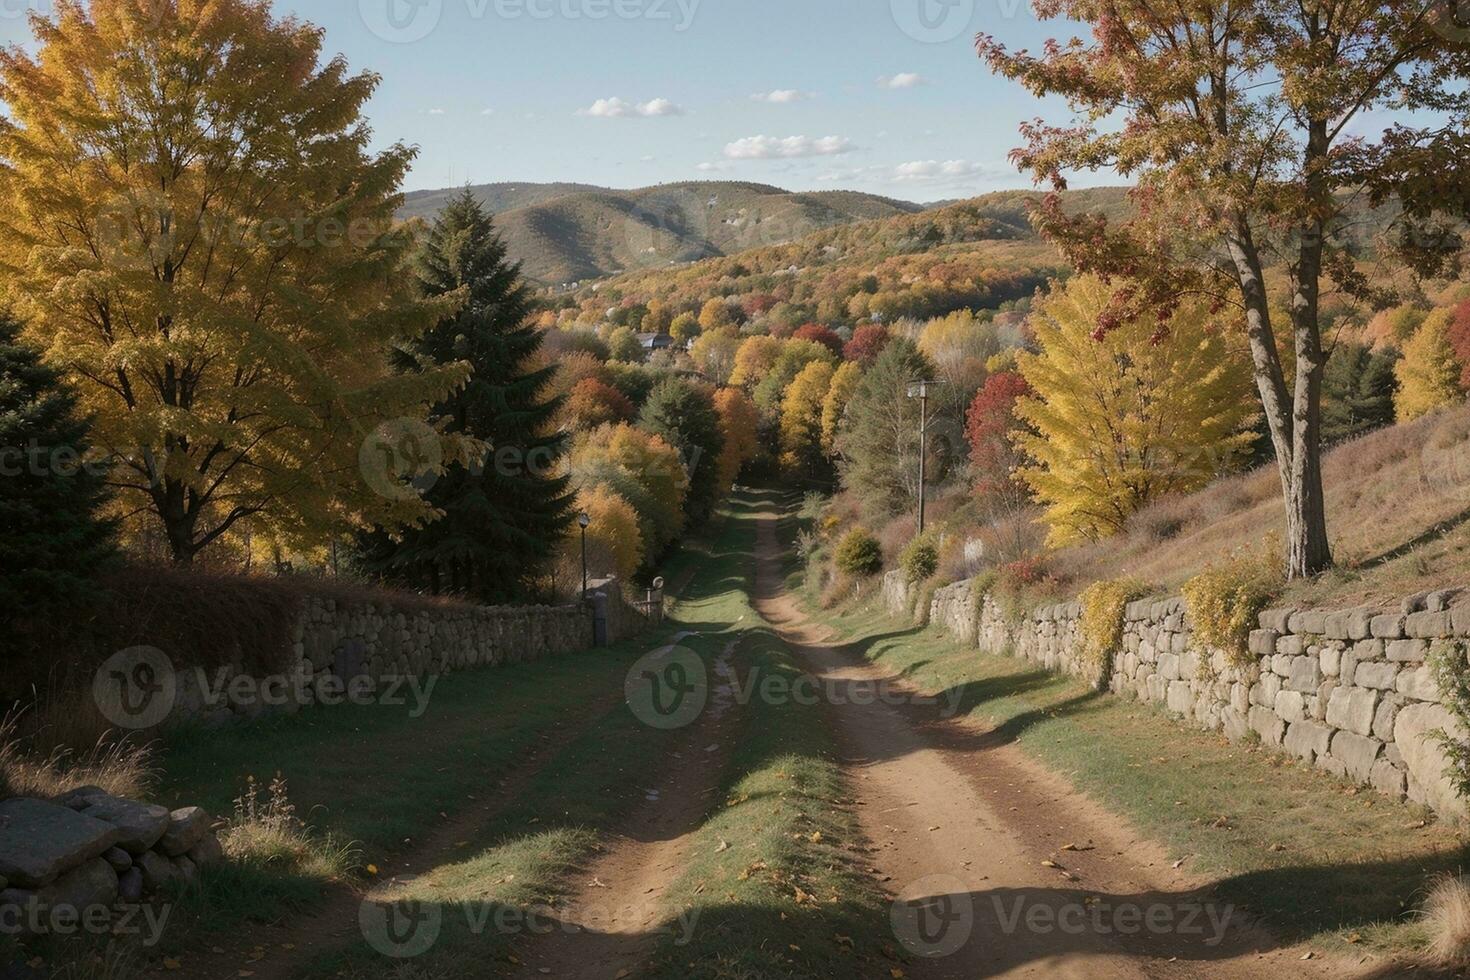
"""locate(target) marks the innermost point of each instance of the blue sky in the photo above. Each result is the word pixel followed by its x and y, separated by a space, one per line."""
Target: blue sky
pixel 885 96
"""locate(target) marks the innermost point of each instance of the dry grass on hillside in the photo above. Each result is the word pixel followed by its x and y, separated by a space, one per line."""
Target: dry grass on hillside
pixel 1398 505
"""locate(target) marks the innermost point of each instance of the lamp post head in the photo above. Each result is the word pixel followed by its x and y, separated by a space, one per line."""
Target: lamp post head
pixel 584 519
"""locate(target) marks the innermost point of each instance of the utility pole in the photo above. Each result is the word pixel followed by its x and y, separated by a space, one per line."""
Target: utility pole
pixel 920 390
pixel 583 520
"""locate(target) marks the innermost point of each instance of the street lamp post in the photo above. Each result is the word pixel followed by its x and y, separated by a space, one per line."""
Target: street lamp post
pixel 920 390
pixel 583 520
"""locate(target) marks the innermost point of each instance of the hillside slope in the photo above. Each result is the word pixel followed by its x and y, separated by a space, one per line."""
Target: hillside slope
pixel 976 254
pixel 569 232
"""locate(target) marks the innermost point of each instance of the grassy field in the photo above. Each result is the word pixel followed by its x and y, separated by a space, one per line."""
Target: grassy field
pixel 1322 861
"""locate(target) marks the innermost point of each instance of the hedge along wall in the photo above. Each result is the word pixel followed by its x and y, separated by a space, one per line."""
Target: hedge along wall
pixel 1348 691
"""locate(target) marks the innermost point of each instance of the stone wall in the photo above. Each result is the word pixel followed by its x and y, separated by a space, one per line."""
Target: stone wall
pixel 1348 691
pixel 88 853
pixel 350 650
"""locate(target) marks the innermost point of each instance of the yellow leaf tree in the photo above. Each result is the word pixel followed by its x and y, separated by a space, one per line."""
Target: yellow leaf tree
pixel 1429 373
pixel 740 423
pixel 642 469
pixel 715 315
pixel 754 359
pixel 834 406
pixel 801 419
pixel 192 224
pixel 614 542
pixel 1120 421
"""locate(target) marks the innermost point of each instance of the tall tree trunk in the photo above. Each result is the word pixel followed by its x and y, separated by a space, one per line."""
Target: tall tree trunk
pixel 179 521
pixel 1295 425
pixel 1308 551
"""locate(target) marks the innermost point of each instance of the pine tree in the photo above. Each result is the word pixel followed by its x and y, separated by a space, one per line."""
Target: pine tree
pixel 52 543
pixel 683 413
pixel 879 443
pixel 503 515
pixel 1357 391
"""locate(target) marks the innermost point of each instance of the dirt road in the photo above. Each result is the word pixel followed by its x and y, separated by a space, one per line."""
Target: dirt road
pixel 998 867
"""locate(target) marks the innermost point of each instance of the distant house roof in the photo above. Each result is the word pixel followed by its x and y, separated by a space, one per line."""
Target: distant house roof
pixel 655 341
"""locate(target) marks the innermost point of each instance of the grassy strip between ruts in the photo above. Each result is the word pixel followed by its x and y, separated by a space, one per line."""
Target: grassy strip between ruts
pixel 1322 861
pixel 774 885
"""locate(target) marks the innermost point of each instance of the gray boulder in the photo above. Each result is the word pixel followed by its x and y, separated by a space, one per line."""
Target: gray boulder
pixel 40 841
pixel 93 884
pixel 158 872
pixel 186 828
pixel 120 859
pixel 130 885
pixel 141 824
pixel 187 870
pixel 207 852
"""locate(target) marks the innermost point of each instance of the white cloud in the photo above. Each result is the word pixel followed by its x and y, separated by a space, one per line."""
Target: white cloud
pixel 710 167
pixel 904 79
pixel 487 112
pixel 616 108
pixel 776 148
pixel 436 112
pixel 659 107
pixel 782 96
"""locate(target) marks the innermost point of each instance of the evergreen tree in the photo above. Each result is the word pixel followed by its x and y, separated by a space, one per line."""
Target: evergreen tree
pixel 879 443
pixel 52 542
pixel 1357 391
pixel 684 414
pixel 504 514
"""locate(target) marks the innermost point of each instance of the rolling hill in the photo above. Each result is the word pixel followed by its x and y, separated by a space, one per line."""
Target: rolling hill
pixel 564 233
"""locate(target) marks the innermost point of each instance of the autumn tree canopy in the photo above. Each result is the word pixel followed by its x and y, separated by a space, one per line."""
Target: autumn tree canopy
pixel 194 229
pixel 1248 128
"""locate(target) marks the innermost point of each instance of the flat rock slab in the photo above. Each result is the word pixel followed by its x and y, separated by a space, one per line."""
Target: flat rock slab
pixel 39 841
pixel 141 824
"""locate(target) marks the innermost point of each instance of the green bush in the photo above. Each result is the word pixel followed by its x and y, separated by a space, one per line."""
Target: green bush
pixel 1103 606
pixel 859 553
pixel 920 559
pixel 1226 601
pixel 1448 663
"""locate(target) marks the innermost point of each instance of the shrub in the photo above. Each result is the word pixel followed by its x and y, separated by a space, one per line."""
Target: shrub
pixel 1225 601
pixel 859 553
pixel 1009 586
pixel 1446 917
pixel 1447 662
pixel 920 560
pixel 1103 606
